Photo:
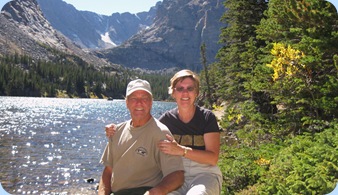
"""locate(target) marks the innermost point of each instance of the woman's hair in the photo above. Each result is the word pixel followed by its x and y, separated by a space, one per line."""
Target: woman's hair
pixel 180 76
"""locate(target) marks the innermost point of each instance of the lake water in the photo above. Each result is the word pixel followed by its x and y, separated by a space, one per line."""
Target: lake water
pixel 52 145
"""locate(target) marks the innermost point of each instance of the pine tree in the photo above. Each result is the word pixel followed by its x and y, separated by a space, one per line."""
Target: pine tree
pixel 241 17
pixel 238 58
pixel 302 44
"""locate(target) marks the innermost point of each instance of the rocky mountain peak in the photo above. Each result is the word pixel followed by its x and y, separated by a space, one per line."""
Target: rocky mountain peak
pixel 26 15
pixel 175 38
pixel 169 35
pixel 21 11
pixel 94 31
pixel 25 31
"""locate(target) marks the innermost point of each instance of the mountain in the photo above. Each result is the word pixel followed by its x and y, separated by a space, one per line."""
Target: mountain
pixel 25 31
pixel 91 30
pixel 175 37
pixel 169 35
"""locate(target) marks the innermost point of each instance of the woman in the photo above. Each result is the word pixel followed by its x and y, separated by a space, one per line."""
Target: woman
pixel 196 137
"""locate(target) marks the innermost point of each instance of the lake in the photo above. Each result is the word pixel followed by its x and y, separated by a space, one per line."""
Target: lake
pixel 52 145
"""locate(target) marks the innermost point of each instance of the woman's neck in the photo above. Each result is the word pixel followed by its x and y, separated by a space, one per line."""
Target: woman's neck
pixel 186 114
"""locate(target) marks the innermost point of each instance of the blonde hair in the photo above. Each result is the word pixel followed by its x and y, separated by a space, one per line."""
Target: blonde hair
pixel 180 76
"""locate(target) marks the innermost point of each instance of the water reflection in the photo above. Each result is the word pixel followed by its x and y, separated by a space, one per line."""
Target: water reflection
pixel 49 146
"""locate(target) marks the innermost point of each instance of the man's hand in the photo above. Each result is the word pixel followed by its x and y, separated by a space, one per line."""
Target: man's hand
pixel 110 130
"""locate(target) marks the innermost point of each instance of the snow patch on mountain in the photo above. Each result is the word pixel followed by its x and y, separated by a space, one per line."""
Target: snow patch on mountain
pixel 105 38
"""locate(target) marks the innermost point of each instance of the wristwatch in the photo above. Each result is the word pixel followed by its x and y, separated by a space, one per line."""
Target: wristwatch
pixel 185 151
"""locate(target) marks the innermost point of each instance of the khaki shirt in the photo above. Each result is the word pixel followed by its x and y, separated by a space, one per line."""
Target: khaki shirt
pixel 135 158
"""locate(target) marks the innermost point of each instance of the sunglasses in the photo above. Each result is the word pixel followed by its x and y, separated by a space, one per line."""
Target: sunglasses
pixel 182 89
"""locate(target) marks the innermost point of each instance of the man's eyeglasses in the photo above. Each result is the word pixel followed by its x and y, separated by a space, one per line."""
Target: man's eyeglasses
pixel 182 89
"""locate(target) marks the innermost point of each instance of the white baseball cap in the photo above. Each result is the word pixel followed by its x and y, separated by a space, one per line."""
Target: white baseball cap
pixel 138 84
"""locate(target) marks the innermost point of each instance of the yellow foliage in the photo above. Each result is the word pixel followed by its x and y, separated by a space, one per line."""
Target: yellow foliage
pixel 286 60
pixel 93 96
pixel 232 116
pixel 239 118
pixel 61 94
pixel 215 107
pixel 262 162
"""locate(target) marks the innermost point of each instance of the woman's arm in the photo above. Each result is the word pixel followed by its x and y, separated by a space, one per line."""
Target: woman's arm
pixel 208 156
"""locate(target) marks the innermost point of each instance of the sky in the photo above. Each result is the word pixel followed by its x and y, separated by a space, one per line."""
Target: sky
pixel 107 7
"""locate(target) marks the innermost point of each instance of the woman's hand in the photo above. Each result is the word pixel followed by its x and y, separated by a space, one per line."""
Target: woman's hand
pixel 171 147
pixel 110 130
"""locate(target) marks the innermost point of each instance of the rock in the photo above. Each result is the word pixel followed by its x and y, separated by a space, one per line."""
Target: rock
pixel 90 180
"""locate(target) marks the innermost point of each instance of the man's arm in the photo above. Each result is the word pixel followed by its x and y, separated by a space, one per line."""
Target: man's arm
pixel 105 185
pixel 169 183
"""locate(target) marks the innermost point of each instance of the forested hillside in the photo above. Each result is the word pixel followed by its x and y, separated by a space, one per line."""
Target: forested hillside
pixel 70 77
pixel 277 75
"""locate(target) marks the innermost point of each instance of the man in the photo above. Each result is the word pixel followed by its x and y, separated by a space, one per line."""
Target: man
pixel 133 162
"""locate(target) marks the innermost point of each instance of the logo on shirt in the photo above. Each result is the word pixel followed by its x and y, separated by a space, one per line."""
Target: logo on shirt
pixel 141 151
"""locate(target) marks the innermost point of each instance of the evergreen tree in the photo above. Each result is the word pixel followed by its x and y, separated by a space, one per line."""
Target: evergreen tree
pixel 232 76
pixel 302 42
pixel 80 84
pixel 208 96
pixel 234 67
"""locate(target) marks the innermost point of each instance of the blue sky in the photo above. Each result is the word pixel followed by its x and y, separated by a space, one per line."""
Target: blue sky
pixel 107 7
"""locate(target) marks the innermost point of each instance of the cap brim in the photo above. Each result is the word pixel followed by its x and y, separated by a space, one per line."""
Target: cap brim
pixel 142 89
